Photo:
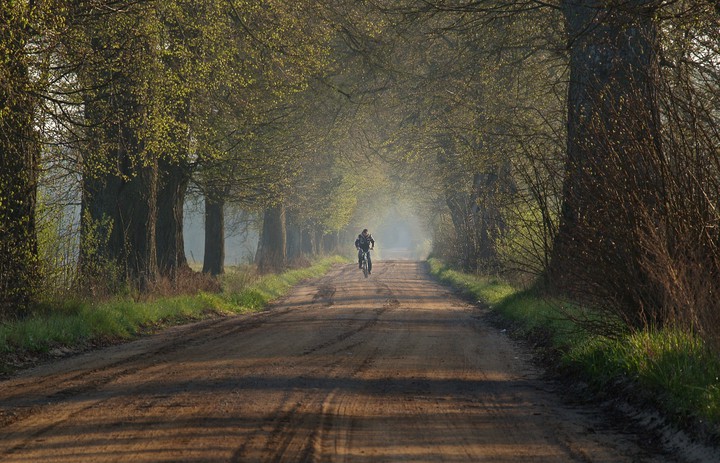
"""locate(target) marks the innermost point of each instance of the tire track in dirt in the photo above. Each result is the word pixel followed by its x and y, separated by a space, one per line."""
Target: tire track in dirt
pixel 84 377
pixel 64 387
pixel 285 442
pixel 90 383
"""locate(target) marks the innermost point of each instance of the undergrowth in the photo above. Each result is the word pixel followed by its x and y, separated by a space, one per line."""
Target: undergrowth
pixel 75 323
pixel 673 369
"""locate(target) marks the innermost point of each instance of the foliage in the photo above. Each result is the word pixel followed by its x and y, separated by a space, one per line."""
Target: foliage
pixel 101 277
pixel 248 152
pixel 19 147
pixel 469 109
pixel 57 249
pixel 524 248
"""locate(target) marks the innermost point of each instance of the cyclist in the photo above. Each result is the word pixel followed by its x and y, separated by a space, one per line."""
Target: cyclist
pixel 364 243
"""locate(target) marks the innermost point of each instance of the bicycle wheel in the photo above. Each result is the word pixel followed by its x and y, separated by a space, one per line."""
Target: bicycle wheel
pixel 365 267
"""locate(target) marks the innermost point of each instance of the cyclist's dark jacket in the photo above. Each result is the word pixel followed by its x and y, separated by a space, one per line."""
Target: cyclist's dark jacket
pixel 363 242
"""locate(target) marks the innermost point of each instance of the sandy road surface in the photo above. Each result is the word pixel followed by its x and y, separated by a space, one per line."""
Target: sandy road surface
pixel 392 368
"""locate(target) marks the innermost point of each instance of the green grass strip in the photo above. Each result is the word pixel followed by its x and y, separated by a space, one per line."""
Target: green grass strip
pixel 674 369
pixel 529 312
pixel 75 323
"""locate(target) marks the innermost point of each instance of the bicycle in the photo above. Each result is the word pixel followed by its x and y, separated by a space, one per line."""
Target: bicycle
pixel 364 262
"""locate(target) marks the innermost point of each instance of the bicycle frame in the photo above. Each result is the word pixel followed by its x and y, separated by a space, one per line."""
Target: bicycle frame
pixel 364 262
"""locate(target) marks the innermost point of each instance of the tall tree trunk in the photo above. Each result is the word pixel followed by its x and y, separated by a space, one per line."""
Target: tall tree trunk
pixel 307 242
pixel 317 240
pixel 120 178
pixel 459 192
pixel 119 223
pixel 171 202
pixel 613 148
pixel 330 243
pixel 271 255
pixel 19 155
pixel 122 202
pixel 138 216
pixel 214 260
pixel 294 241
pixel 491 189
pixel 487 219
pixel 461 212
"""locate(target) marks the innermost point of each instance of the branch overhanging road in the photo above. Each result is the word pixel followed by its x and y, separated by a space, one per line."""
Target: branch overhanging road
pixel 392 368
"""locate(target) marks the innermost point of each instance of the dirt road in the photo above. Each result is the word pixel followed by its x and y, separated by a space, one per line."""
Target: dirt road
pixel 389 369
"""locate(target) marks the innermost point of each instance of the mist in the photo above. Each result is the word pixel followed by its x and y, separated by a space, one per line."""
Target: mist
pixel 241 235
pixel 400 234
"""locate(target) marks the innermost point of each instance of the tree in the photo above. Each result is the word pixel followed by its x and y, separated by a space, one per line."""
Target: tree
pixel 120 167
pixel 214 260
pixel 173 184
pixel 271 254
pixel 23 28
pixel 613 153
pixel 278 48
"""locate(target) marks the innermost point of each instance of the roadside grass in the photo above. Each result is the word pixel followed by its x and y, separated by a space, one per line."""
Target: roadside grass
pixel 672 369
pixel 76 323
